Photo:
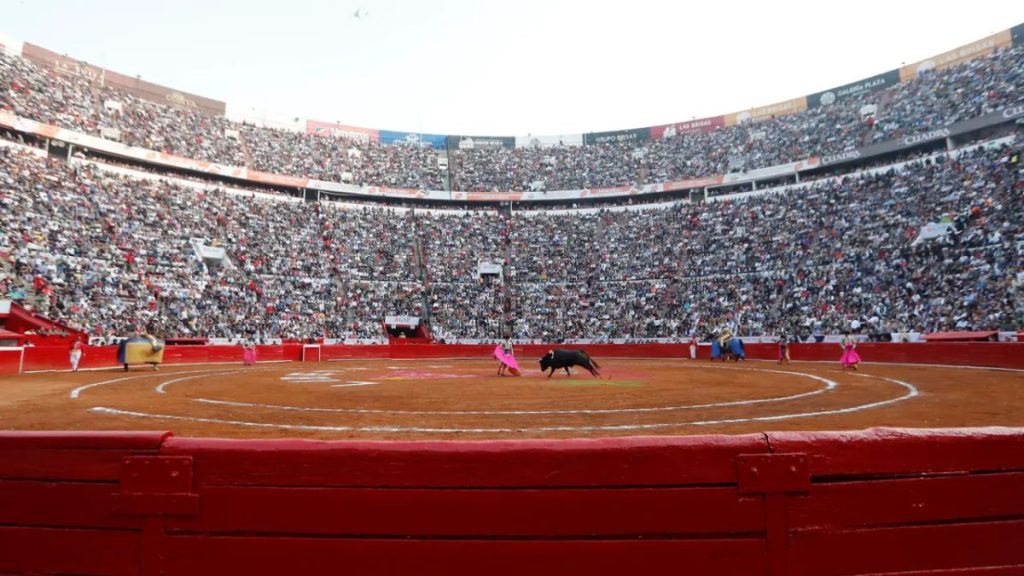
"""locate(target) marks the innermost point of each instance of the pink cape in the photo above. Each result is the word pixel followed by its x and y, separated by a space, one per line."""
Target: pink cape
pixel 849 357
pixel 507 359
pixel 249 356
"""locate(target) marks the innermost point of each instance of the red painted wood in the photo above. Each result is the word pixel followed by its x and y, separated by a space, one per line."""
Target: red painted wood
pixel 35 464
pixel 642 461
pixel 890 451
pixel 533 513
pixel 200 556
pixel 995 354
pixel 84 440
pixel 1016 570
pixel 776 534
pixel 905 548
pixel 10 362
pixel 54 504
pixel 909 500
pixel 68 551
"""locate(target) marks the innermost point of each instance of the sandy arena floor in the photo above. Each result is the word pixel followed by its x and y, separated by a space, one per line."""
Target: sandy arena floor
pixel 465 399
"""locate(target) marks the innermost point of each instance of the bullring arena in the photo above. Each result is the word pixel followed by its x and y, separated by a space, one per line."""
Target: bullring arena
pixel 241 342
pixel 463 398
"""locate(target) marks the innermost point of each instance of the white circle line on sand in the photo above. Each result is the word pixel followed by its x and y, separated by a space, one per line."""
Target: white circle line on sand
pixel 159 389
pixel 828 386
pixel 352 383
pixel 77 391
pixel 163 385
pixel 910 388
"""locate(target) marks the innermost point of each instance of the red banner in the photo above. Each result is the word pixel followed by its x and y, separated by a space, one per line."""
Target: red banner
pixel 691 127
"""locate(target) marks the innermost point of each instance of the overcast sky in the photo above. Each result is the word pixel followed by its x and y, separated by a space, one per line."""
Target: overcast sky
pixel 503 68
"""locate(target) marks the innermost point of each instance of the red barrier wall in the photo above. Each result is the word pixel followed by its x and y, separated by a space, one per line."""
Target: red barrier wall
pixel 881 501
pixel 994 354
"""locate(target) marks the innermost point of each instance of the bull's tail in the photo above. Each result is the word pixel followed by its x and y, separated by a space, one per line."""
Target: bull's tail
pixel 592 361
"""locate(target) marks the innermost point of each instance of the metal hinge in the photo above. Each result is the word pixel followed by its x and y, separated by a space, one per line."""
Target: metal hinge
pixel 773 473
pixel 157 485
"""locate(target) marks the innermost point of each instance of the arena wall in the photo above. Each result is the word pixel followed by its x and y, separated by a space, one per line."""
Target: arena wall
pixel 988 354
pixel 881 501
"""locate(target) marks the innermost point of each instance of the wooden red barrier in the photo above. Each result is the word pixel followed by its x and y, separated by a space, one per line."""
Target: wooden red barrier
pixel 994 354
pixel 882 501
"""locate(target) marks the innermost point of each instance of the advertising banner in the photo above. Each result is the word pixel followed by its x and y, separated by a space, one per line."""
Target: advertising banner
pixel 534 141
pixel 865 86
pixel 163 95
pixel 131 84
pixel 341 131
pixel 1009 114
pixel 770 111
pixel 472 142
pixel 691 127
pixel 402 320
pixel 965 53
pixel 412 139
pixel 634 135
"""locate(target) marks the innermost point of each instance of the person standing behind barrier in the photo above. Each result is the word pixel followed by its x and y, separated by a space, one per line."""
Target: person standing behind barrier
pixel 784 349
pixel 693 347
pixel 850 358
pixel 249 353
pixel 76 353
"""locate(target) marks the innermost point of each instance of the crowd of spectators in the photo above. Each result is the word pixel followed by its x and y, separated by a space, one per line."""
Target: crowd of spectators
pixel 111 254
pixel 935 98
pixel 822 258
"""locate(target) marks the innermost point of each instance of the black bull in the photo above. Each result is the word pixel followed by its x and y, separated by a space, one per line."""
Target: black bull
pixel 559 358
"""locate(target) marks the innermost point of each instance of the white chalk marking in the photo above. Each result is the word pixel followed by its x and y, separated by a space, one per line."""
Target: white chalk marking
pixel 77 391
pixel 354 383
pixel 911 392
pixel 828 386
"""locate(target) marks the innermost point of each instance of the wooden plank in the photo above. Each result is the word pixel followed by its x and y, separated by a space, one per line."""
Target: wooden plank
pixel 909 501
pixel 60 504
pixel 61 464
pixel 647 461
pixel 64 551
pixel 485 513
pixel 894 451
pixel 905 549
pixel 84 440
pixel 987 571
pixel 197 556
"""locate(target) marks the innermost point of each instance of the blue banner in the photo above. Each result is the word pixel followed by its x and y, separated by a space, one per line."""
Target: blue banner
pixel 413 139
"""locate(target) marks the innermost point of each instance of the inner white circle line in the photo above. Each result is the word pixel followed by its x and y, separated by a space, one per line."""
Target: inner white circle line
pixel 160 388
pixel 829 385
pixel 77 391
pixel 911 392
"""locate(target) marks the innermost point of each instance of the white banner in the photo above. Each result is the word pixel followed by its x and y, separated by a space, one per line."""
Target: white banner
pixel 931 231
pixel 399 320
pixel 488 268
